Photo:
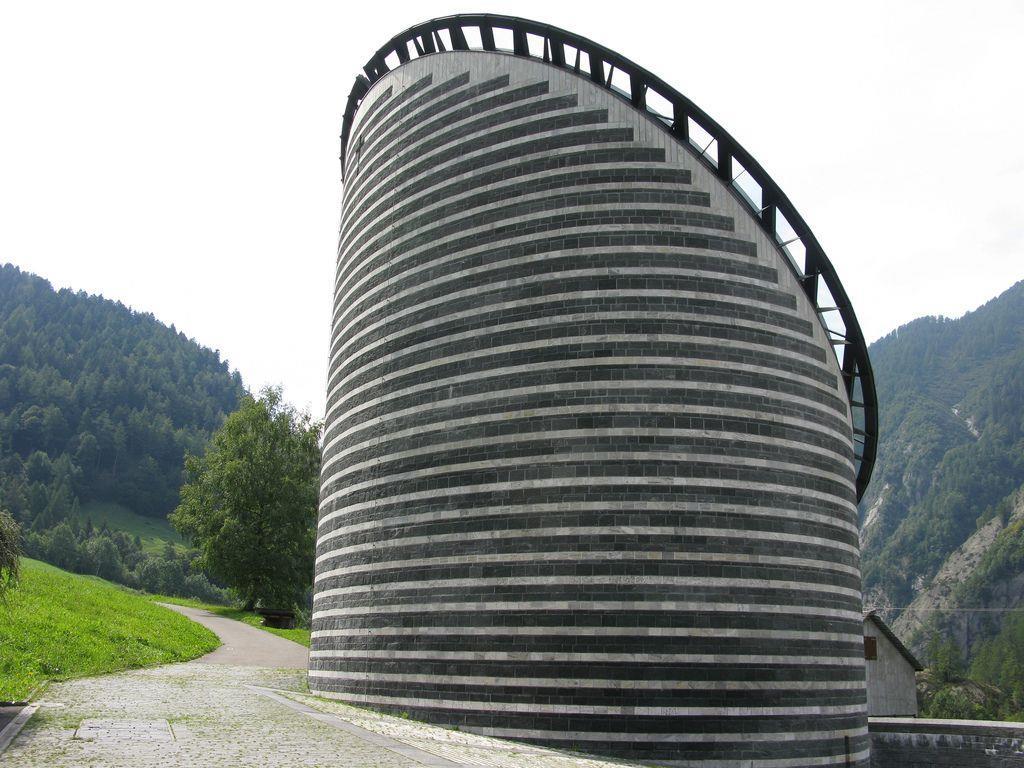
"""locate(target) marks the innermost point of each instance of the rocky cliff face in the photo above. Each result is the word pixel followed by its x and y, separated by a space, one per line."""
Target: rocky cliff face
pixel 943 599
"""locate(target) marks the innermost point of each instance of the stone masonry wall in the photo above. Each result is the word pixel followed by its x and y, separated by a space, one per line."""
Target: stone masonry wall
pixel 588 472
pixel 913 743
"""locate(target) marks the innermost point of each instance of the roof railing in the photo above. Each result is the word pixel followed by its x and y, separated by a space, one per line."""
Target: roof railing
pixel 691 126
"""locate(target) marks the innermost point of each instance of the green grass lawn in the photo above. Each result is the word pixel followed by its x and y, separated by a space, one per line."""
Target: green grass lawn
pixel 300 636
pixel 56 625
pixel 154 531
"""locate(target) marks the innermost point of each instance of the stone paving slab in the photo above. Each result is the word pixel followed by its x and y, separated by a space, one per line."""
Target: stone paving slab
pixel 124 730
pixel 428 759
pixel 460 747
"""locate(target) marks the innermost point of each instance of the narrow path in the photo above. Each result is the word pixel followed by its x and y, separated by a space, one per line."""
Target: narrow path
pixel 245 646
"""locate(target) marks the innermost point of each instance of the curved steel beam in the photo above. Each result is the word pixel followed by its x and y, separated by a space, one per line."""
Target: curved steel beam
pixel 692 127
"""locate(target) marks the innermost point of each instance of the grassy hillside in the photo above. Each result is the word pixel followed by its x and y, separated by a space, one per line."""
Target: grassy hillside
pixel 56 625
pixel 154 531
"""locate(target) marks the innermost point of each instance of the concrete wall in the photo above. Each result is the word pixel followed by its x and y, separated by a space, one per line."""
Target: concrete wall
pixel 912 743
pixel 892 684
pixel 588 472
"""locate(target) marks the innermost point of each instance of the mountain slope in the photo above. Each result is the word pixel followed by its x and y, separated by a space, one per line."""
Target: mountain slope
pixel 951 396
pixel 98 402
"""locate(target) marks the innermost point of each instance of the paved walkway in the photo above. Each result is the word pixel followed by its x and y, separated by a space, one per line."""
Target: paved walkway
pixel 183 715
pixel 245 646
pixel 224 711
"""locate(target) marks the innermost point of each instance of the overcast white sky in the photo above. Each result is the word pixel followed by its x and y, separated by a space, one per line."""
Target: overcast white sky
pixel 181 157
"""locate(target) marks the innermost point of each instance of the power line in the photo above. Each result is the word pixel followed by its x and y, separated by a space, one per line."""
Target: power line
pixel 949 610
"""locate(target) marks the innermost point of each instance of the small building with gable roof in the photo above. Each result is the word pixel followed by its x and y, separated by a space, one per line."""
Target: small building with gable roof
pixel 890 671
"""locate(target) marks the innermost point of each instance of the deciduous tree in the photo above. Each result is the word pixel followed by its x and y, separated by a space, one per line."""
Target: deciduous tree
pixel 249 503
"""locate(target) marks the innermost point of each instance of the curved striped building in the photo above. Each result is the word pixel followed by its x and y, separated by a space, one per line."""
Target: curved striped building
pixel 595 430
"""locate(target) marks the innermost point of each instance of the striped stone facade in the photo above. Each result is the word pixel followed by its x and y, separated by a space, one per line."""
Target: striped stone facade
pixel 588 475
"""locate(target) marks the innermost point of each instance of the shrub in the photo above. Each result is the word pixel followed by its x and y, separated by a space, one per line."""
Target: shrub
pixel 10 551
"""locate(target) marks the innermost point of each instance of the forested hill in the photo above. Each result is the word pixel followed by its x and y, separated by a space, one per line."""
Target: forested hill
pixel 98 402
pixel 951 456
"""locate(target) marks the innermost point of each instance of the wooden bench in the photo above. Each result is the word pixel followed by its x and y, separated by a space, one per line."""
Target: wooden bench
pixel 277 618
